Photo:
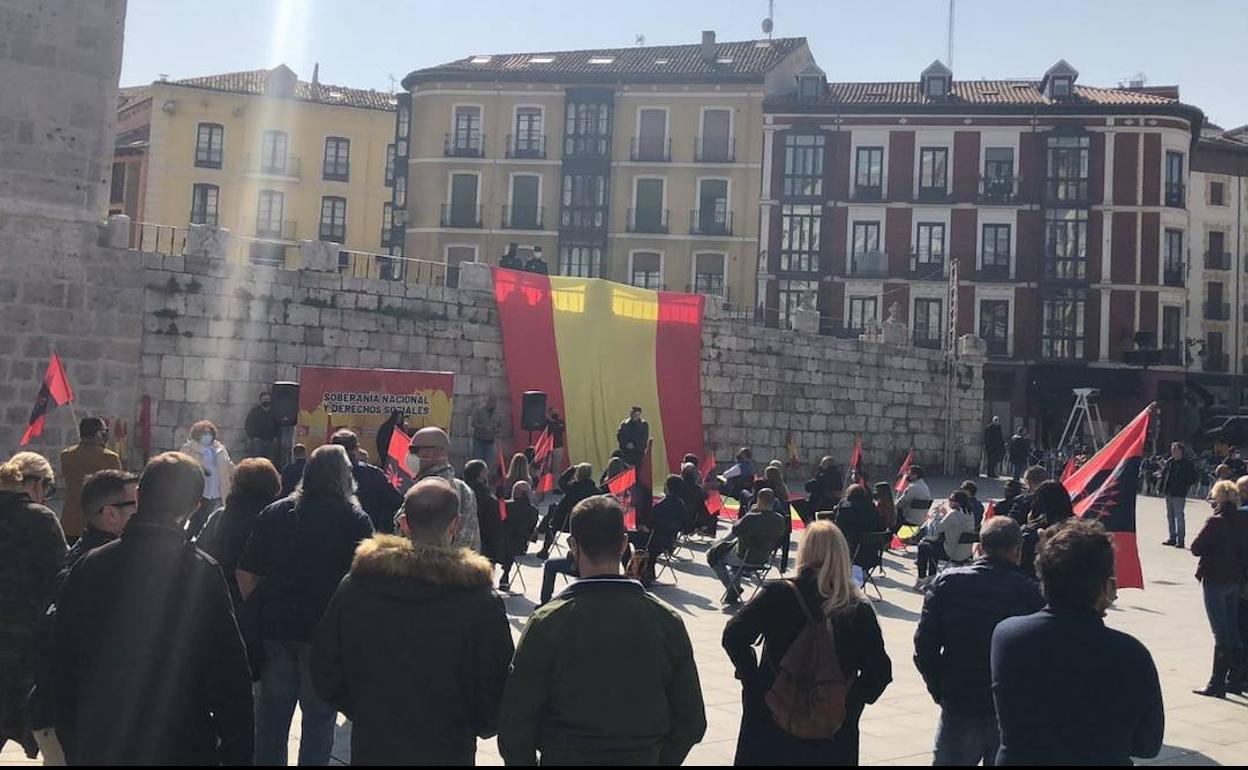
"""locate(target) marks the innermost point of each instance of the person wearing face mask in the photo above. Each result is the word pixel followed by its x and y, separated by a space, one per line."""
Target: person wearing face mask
pixel 1068 689
pixel 427 456
pixel 263 430
pixel 32 548
pixel 218 469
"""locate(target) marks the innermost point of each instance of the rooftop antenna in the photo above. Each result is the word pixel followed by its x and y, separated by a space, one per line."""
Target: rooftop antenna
pixel 769 22
pixel 949 39
pixel 390 76
pixel 639 40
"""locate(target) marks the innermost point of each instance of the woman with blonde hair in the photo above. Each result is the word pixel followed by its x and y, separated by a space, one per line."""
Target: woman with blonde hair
pixel 518 470
pixel 823 588
pixel 1222 548
pixel 32 547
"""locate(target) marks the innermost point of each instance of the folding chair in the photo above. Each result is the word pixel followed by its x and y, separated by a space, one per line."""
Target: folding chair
pixel 966 538
pixel 878 542
pixel 664 558
pixel 757 571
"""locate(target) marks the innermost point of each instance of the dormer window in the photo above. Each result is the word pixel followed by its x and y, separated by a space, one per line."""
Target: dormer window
pixel 937 87
pixel 1061 87
pixel 810 82
pixel 1059 81
pixel 936 80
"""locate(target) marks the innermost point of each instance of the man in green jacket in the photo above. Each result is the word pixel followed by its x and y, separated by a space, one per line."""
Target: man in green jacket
pixel 604 673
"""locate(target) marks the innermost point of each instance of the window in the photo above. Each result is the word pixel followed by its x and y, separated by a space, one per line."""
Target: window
pixel 1216 257
pixel 869 173
pixel 1067 168
pixel 204 204
pixel 269 214
pixel 791 294
pixel 529 141
pixel 587 129
pixel 998 183
pixel 1174 179
pixel 863 312
pixel 456 256
pixel 1066 244
pixel 936 87
pixel 208 142
pixel 803 165
pixel 647 271
pixel 809 86
pixel 463 210
pixel 933 171
pixel 715 144
pixel 1217 194
pixel 337 162
pixel 466 139
pixel 525 213
pixel 1174 249
pixel 389 165
pixel 1061 87
pixel 584 201
pixel 117 188
pixel 866 257
pixel 404 120
pixel 400 191
pixel 1215 308
pixel 1171 336
pixel 995 249
pixel 994 325
pixel 1215 352
pixel 800 238
pixel 1062 333
pixel 333 219
pixel 651 142
pixel 387 224
pixel 930 244
pixel 712 216
pixel 928 322
pixel 582 261
pixel 273 152
pixel 708 274
pixel 648 214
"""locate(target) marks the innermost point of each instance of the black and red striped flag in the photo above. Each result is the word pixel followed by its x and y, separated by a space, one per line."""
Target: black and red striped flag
pixel 396 462
pixel 856 473
pixel 1104 488
pixel 54 392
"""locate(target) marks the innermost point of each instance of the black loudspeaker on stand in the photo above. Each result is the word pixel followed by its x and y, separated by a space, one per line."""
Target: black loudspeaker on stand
pixel 533 410
pixel 285 397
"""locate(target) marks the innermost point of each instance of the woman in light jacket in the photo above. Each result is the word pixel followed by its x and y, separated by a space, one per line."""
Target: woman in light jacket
pixel 214 459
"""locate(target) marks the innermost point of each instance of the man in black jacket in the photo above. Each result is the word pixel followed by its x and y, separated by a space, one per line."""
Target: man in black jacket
pixel 576 483
pixel 824 490
pixel 149 667
pixel 1177 477
pixel 263 430
pixel 415 646
pixel 1019 452
pixel 632 436
pixel 109 500
pixel 951 644
pixel 1067 689
pixel 752 540
pixel 994 447
pixel 377 495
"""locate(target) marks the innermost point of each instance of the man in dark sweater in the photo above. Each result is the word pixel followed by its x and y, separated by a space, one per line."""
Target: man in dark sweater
pixel 378 497
pixel 1068 690
pixel 1177 477
pixel 752 540
pixel 604 674
pixel 951 644
pixel 632 436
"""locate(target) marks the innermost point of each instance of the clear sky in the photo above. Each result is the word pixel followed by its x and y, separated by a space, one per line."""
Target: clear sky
pixel 1198 44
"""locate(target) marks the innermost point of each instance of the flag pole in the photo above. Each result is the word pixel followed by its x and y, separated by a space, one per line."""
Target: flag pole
pixel 72 411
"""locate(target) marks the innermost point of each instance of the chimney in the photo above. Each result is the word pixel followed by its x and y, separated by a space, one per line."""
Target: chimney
pixel 708 46
pixel 316 82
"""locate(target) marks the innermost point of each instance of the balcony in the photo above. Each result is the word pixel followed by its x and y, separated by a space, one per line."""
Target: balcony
pixel 526 146
pixel 583 218
pixel 1176 195
pixel 522 218
pixel 464 144
pixel 1173 274
pixel 1069 192
pixel 997 347
pixel 272 229
pixel 336 172
pixel 269 165
pixel 460 216
pixel 998 189
pixel 933 195
pixel 924 339
pixel 647 221
pixel 927 269
pixel 650 148
pixel 1215 260
pixel 1171 356
pixel 1217 311
pixel 1065 269
pixel 869 264
pixel 332 233
pixel 1217 361
pixel 867 193
pixel 710 222
pixel 587 146
pixel 267 253
pixel 994 271
pixel 714 149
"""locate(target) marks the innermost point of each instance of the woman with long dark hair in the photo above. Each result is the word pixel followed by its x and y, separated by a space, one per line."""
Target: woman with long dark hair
pixel 477 477
pixel 824 588
pixel 773 478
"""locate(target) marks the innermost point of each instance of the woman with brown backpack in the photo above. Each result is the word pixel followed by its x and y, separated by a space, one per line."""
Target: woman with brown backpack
pixel 823 660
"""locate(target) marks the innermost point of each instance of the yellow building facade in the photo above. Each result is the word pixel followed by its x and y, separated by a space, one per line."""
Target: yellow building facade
pixel 640 165
pixel 273 159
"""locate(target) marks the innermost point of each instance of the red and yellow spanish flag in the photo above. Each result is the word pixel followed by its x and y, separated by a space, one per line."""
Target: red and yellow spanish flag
pixel 598 348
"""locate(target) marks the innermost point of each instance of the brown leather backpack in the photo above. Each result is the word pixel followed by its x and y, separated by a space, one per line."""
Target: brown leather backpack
pixel 808 698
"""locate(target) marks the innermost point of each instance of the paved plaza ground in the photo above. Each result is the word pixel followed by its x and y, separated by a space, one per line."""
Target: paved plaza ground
pixel 1168 617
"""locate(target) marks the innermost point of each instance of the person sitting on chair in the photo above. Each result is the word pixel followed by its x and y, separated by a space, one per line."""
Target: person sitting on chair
pixel 576 483
pixel 942 540
pixel 697 518
pixel 517 527
pixel 738 480
pixel 913 503
pixel 752 540
pixel 856 516
pixel 657 533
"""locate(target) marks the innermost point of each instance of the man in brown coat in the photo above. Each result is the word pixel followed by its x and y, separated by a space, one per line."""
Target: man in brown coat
pixel 80 461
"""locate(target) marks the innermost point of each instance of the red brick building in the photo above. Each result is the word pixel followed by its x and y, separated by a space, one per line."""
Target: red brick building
pixel 1058 202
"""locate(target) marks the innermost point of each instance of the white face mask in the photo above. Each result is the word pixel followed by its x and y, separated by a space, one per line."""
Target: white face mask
pixel 413 464
pixel 206 439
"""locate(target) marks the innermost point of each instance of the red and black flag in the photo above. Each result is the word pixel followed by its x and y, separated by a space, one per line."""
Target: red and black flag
pixel 54 392
pixel 902 482
pixel 1104 488
pixel 396 462
pixel 856 473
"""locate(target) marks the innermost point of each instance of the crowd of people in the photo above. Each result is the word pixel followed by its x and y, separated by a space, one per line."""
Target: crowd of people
pixel 202 600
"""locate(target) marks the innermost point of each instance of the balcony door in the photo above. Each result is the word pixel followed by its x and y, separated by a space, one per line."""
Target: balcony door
pixel 463 200
pixel 716 127
pixel 648 206
pixel 713 206
pixel 524 198
pixel 652 134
